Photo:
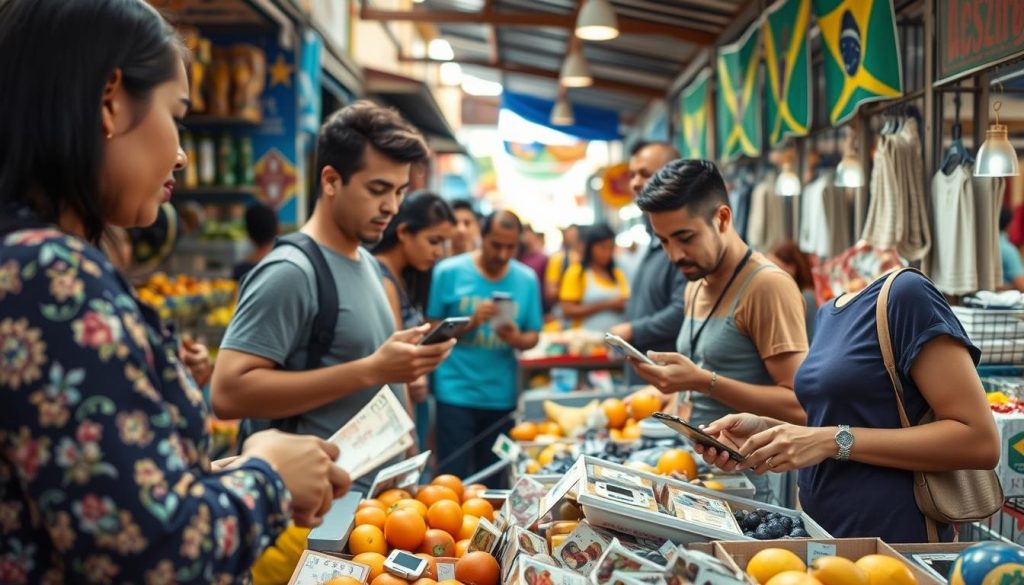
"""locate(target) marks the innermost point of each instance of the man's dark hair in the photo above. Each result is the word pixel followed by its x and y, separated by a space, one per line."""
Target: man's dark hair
pixel 1005 219
pixel 346 134
pixel 57 58
pixel 261 224
pixel 466 204
pixel 505 219
pixel 673 152
pixel 694 184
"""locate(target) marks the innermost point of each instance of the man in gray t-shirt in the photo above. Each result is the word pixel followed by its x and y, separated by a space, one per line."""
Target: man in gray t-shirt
pixel 365 154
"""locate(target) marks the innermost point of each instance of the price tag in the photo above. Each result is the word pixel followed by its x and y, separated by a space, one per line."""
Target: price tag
pixel 506 449
pixel 400 475
pixel 315 568
pixel 817 550
pixel 445 571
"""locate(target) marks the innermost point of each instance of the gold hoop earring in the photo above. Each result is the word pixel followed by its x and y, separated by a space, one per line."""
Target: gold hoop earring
pixel 110 135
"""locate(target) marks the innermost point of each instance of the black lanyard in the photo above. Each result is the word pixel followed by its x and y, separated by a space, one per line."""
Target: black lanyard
pixel 693 303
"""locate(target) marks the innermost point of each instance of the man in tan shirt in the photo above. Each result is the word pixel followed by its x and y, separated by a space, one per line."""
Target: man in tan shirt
pixel 743 337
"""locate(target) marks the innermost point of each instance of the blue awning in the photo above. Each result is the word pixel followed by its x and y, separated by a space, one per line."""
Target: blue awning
pixel 591 123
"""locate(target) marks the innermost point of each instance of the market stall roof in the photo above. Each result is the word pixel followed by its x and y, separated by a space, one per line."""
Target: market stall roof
pixel 524 42
pixel 417 104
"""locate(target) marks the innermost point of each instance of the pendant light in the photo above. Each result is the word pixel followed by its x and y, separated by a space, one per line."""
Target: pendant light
pixel 561 114
pixel 575 70
pixel 788 183
pixel 850 172
pixel 596 21
pixel 996 157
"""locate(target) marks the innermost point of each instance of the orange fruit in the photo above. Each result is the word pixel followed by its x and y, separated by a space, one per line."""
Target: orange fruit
pixel 446 515
pixel 677 461
pixel 478 507
pixel 451 482
pixel 469 524
pixel 793 578
pixel 644 405
pixel 388 579
pixel 630 432
pixel 524 431
pixel 839 571
pixel 450 582
pixel 549 427
pixel 372 503
pixel 615 410
pixel 883 569
pixel 424 581
pixel 769 562
pixel 391 496
pixel 461 547
pixel 367 538
pixel 371 515
pixel 431 571
pixel 410 504
pixel 438 543
pixel 342 581
pixel 405 529
pixel 373 560
pixel 473 491
pixel 477 568
pixel 432 494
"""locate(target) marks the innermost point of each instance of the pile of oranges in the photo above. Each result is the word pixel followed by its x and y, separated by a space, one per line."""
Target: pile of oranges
pixel 437 522
pixel 623 420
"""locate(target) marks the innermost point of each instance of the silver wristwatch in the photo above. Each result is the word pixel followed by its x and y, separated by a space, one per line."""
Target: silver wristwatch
pixel 844 439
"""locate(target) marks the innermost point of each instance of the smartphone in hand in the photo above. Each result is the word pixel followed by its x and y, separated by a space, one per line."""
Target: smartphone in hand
pixel 445 330
pixel 624 346
pixel 696 435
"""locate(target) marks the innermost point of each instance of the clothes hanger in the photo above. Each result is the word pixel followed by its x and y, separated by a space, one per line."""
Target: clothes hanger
pixel 956 154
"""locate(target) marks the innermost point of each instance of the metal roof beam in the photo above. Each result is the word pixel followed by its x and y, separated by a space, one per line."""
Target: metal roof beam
pixel 626 25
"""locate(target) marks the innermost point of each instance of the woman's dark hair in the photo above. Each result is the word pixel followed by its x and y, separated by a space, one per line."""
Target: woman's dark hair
pixel 593 236
pixel 789 252
pixel 419 211
pixel 58 55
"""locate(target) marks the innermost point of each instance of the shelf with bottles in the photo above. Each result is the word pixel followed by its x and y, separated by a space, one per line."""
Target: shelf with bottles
pixel 219 165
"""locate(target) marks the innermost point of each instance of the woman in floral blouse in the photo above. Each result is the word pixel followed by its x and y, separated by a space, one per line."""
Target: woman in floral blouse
pixel 104 476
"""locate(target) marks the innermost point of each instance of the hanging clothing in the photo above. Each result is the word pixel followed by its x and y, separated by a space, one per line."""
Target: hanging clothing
pixel 953 260
pixel 988 200
pixel 813 236
pixel 766 225
pixel 897 214
pixel 739 199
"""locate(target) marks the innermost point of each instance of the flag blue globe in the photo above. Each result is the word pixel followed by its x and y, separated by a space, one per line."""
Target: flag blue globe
pixel 989 563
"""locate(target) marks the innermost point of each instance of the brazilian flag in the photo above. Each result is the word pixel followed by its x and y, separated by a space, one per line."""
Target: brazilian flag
pixel 788 69
pixel 862 57
pixel 695 117
pixel 739 102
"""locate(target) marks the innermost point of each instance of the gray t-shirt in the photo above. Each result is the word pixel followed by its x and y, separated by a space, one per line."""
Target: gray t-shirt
pixel 277 305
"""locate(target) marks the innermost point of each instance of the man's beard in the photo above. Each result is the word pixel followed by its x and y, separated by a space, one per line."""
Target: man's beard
pixel 701 273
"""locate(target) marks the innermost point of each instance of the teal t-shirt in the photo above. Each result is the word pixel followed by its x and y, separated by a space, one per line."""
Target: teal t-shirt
pixel 1012 264
pixel 481 371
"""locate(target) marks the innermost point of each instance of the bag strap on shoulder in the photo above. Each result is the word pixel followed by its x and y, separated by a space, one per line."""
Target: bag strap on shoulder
pixel 888 356
pixel 322 335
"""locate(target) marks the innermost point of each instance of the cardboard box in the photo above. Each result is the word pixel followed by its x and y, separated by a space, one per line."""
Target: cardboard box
pixel 739 552
pixel 1011 457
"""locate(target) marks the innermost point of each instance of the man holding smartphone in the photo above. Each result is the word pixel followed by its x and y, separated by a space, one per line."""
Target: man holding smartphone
pixel 365 154
pixel 476 387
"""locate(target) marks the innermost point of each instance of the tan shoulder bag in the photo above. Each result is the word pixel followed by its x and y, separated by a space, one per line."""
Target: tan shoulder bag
pixel 949 497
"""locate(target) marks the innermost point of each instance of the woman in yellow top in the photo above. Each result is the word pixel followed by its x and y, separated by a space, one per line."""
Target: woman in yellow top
pixel 594 292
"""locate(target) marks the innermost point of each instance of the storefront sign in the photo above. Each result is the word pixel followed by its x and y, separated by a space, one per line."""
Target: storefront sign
pixel 974 34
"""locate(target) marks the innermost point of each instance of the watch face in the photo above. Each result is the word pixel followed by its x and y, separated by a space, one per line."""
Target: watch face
pixel 845 439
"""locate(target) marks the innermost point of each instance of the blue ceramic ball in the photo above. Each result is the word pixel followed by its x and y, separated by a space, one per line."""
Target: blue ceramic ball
pixel 989 563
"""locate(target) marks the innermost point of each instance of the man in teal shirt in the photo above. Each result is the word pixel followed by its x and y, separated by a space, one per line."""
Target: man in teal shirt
pixel 476 387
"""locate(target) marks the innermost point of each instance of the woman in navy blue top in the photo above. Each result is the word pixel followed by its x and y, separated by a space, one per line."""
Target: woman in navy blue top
pixel 104 471
pixel 843 381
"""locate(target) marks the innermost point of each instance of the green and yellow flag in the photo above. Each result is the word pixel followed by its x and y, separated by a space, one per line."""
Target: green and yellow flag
pixel 862 57
pixel 788 68
pixel 739 102
pixel 694 107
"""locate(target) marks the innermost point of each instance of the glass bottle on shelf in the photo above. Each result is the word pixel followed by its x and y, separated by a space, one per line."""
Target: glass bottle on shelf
pixel 207 161
pixel 246 171
pixel 190 179
pixel 227 161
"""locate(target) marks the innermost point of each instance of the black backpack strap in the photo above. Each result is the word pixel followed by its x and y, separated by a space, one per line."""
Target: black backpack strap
pixel 322 335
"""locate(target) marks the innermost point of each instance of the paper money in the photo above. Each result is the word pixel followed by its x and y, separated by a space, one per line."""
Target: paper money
pixel 375 435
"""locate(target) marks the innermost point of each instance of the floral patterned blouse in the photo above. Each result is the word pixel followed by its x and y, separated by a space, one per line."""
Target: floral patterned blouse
pixel 104 476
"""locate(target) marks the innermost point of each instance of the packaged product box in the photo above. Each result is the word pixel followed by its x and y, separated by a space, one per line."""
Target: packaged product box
pixel 582 549
pixel 315 568
pixel 1011 457
pixel 332 534
pixel 530 571
pixel 617 558
pixel 638 578
pixel 739 552
pixel 936 558
pixel 520 544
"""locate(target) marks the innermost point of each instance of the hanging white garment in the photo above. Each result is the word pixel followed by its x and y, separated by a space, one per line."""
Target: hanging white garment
pixel 954 258
pixel 914 241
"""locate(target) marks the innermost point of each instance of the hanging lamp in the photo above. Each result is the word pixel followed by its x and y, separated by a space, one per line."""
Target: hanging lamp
pixel 561 114
pixel 597 21
pixel 788 183
pixel 850 172
pixel 575 70
pixel 997 157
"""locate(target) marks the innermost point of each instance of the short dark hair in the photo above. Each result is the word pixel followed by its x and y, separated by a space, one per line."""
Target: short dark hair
pixel 694 184
pixel 465 205
pixel 261 223
pixel 57 58
pixel 504 218
pixel 344 137
pixel 642 144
